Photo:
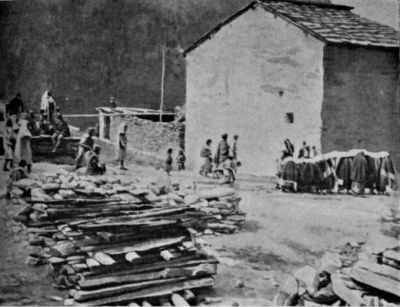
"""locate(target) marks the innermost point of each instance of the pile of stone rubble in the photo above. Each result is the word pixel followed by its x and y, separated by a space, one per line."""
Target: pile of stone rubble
pixel 359 275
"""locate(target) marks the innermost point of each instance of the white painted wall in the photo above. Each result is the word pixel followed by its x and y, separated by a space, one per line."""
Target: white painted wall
pixel 233 83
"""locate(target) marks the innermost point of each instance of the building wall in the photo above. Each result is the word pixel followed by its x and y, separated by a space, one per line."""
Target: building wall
pixel 360 108
pixel 148 137
pixel 233 85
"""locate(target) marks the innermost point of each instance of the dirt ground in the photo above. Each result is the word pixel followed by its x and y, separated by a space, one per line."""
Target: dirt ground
pixel 283 232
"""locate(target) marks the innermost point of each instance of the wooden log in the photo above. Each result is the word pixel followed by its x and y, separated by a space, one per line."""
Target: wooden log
pixel 154 292
pixel 376 281
pixel 178 300
pixel 85 295
pixel 62 249
pixel 204 269
pixel 146 304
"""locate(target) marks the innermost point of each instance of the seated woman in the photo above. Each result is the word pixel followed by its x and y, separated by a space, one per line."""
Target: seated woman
pixel 93 162
pixel 61 130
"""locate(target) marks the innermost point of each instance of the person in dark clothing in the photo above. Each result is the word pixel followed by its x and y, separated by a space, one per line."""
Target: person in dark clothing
pixel 94 167
pixel 169 161
pixel 32 125
pixel 304 152
pixel 180 160
pixel 222 152
pixel 44 125
pixel 15 106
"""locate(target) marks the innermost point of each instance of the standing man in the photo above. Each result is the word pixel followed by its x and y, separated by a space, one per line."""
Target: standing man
pixel 222 152
pixel 14 109
pixel 206 153
pixel 85 144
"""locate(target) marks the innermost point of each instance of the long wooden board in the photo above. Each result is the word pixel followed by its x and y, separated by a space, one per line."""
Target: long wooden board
pixel 376 281
pixel 154 292
pixel 197 270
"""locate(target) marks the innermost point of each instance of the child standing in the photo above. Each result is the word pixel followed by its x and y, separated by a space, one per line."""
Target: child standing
pixel 169 161
pixel 122 143
pixel 23 149
pixel 180 160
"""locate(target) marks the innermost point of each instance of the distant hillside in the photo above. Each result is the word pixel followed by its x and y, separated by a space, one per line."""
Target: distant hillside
pixel 87 50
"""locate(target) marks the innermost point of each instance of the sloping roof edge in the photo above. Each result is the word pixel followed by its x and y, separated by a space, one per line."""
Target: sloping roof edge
pixel 252 5
pixel 210 33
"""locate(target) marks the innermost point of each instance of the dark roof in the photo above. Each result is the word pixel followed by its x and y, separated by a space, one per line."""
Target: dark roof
pixel 329 23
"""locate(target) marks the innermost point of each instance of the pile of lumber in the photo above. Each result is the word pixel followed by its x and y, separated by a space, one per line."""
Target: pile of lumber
pixel 359 275
pixel 112 241
pixel 62 196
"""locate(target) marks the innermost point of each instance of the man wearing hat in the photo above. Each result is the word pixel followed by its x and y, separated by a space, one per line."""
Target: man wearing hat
pixel 222 152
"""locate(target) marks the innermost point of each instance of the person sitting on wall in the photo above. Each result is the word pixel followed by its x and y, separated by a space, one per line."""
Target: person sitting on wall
pixel 85 144
pixel 359 171
pixel 61 130
pixel 32 125
pixel 44 125
pixel 93 162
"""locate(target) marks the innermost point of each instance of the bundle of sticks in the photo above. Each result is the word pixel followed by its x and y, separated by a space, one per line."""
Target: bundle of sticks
pixel 359 275
pixel 110 241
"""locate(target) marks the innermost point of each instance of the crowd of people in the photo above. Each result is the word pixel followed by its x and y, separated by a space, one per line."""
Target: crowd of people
pixel 223 164
pixel 354 172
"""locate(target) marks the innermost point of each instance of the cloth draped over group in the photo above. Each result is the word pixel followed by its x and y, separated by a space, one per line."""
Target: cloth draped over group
pixel 334 171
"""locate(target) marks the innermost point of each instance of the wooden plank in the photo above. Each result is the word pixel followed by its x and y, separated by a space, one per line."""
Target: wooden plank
pixel 379 269
pixel 351 297
pixel 128 269
pixel 376 281
pixel 154 292
pixel 392 255
pixel 85 295
pixel 103 258
pixel 203 269
pixel 178 300
pixel 139 247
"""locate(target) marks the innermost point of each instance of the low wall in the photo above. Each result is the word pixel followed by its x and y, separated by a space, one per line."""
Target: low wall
pixel 146 137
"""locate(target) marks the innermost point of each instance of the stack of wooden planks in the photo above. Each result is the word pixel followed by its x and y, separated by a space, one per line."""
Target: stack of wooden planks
pixel 360 275
pixel 111 241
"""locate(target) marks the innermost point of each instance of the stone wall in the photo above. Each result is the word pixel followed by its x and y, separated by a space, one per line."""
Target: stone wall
pixel 360 108
pixel 147 137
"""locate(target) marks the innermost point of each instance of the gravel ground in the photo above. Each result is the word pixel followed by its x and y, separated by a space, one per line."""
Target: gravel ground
pixel 282 233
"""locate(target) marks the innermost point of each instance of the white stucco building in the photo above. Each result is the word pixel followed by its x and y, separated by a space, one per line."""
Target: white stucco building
pixel 281 69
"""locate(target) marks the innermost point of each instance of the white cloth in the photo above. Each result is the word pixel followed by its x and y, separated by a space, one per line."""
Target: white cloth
pixel 45 102
pixel 23 149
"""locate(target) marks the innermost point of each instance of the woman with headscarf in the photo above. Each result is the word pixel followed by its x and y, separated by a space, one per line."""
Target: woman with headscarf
pixel 23 149
pixel 122 142
pixel 48 105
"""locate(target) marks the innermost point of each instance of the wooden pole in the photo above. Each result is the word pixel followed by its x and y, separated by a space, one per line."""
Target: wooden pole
pixel 162 80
